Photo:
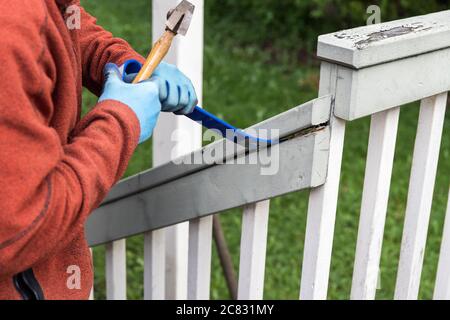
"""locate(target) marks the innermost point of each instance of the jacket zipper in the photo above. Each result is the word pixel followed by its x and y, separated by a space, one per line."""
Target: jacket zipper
pixel 28 286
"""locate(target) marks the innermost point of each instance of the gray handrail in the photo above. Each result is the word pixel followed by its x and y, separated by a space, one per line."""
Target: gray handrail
pixel 173 193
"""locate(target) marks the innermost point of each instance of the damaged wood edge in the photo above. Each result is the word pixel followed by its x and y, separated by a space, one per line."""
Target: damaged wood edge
pixel 306 131
pixel 294 122
pixel 389 33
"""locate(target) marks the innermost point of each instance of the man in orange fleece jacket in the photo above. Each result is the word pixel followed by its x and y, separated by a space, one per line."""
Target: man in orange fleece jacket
pixel 56 167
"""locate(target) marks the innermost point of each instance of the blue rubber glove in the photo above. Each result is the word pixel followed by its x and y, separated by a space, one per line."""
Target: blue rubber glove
pixel 176 92
pixel 142 98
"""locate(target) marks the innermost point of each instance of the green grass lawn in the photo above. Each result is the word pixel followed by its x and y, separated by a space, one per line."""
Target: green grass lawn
pixel 243 88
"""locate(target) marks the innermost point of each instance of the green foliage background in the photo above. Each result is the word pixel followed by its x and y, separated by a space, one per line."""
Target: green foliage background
pixel 259 61
pixel 294 25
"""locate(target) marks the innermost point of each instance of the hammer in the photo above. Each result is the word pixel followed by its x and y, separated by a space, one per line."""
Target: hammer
pixel 178 22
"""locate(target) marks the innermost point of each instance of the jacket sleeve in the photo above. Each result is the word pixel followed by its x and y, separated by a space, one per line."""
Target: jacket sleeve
pixel 47 186
pixel 99 47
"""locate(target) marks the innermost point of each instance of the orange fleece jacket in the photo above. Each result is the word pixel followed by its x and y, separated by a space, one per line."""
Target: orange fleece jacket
pixel 55 167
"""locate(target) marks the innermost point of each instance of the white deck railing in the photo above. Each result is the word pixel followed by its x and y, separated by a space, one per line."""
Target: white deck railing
pixel 367 71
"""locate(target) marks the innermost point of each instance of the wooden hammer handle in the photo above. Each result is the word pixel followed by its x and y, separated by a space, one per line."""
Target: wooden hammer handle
pixel 158 53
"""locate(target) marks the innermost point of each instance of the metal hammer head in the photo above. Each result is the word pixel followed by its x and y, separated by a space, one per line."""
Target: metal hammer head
pixel 179 19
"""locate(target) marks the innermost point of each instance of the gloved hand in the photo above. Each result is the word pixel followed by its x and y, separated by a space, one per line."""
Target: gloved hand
pixel 142 98
pixel 176 92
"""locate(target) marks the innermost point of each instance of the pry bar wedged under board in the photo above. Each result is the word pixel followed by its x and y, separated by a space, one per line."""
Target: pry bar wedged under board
pixel 162 197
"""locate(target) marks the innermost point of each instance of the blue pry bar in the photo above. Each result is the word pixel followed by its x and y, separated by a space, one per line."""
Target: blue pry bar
pixel 206 119
pixel 210 121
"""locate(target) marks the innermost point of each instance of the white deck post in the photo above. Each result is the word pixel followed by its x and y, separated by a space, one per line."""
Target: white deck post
pixel 442 286
pixel 420 195
pixel 376 68
pixel 380 158
pixel 322 206
pixel 177 135
pixel 116 271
